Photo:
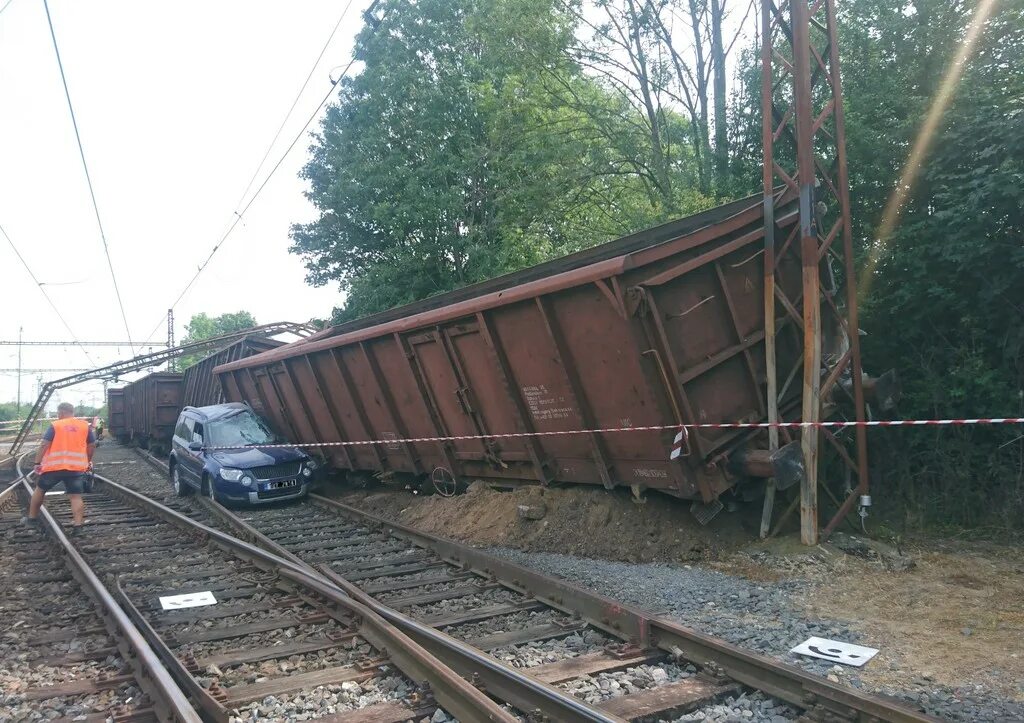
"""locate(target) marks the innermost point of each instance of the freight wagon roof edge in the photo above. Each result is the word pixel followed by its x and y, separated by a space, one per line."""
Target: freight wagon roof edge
pixel 574 269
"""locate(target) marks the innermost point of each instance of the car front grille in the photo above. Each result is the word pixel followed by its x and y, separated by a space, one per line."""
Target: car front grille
pixel 273 471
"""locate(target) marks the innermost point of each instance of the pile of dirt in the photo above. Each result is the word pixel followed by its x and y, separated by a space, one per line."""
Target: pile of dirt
pixel 579 521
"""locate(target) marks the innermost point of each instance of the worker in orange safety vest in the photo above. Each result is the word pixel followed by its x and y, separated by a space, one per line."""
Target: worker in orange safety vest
pixel 65 455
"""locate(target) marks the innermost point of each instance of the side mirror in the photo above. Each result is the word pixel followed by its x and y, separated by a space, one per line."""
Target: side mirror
pixel 195 446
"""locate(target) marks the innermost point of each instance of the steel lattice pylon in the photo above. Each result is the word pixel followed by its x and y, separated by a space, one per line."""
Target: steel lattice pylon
pixel 804 141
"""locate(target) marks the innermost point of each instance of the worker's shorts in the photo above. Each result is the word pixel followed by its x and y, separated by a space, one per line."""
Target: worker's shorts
pixel 73 481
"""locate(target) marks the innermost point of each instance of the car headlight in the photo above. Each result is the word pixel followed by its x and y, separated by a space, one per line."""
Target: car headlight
pixel 312 464
pixel 247 480
pixel 307 471
pixel 231 475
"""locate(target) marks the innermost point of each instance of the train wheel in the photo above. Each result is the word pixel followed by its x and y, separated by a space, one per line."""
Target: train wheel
pixel 444 482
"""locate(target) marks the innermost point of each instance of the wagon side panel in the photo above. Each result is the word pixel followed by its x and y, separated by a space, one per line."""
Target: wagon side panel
pixel 116 412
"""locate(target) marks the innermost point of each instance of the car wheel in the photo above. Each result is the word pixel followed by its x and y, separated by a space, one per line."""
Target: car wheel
pixel 211 490
pixel 181 488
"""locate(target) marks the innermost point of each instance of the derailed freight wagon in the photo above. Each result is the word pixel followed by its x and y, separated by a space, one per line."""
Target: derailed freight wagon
pixel 151 407
pixel 115 414
pixel 658 328
pixel 201 387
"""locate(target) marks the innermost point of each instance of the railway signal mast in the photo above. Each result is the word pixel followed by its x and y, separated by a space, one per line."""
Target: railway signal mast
pixel 804 143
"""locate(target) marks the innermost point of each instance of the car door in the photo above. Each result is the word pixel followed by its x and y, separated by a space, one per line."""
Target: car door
pixel 182 455
pixel 195 458
pixel 190 462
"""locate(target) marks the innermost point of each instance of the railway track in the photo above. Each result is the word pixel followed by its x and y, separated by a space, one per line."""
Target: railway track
pixel 69 652
pixel 277 644
pixel 618 663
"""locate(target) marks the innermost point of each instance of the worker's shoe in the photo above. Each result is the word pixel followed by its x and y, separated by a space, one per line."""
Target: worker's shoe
pixel 32 523
pixel 76 530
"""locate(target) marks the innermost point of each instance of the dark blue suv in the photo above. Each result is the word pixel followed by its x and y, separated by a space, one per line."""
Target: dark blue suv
pixel 241 473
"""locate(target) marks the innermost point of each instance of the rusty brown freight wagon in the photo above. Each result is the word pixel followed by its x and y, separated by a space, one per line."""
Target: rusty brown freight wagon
pixel 151 407
pixel 115 414
pixel 657 328
pixel 201 387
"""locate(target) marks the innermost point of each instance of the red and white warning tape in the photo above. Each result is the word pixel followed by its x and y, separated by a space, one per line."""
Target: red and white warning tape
pixel 678 443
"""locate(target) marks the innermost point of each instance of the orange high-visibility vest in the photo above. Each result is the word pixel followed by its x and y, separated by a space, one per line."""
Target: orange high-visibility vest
pixel 68 449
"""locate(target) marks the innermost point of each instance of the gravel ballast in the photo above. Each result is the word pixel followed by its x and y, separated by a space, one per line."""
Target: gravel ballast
pixel 758 616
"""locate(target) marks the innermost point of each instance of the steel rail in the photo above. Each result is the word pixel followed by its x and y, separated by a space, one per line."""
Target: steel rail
pixel 452 692
pixel 150 673
pixel 780 680
pixel 500 680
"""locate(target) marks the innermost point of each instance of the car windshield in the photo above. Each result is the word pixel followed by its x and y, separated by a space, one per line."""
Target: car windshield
pixel 240 430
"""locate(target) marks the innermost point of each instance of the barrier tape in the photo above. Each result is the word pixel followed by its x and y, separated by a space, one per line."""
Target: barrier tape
pixel 680 428
pixel 680 445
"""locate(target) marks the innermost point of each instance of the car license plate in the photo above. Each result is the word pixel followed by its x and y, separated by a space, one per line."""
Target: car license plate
pixel 282 484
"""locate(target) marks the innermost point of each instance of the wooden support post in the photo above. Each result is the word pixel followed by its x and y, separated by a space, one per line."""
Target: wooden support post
pixel 811 405
pixel 771 375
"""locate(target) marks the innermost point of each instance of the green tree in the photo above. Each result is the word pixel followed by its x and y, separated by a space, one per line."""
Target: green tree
pixel 948 292
pixel 8 411
pixel 455 155
pixel 203 326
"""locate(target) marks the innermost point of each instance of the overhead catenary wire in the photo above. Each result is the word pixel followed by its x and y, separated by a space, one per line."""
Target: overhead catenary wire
pixel 88 177
pixel 238 216
pixel 43 292
pixel 239 213
pixel 295 102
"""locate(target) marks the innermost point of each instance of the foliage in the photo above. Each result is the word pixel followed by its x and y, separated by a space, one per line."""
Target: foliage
pixel 9 411
pixel 469 145
pixel 946 302
pixel 203 326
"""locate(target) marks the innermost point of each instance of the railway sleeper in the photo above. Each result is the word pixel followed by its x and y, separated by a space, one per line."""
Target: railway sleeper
pixel 298 531
pixel 674 697
pixel 68 629
pixel 322 625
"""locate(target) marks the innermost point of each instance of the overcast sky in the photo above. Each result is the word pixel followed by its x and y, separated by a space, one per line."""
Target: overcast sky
pixel 176 104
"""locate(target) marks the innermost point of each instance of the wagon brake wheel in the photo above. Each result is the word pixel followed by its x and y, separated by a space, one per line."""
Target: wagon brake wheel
pixel 444 482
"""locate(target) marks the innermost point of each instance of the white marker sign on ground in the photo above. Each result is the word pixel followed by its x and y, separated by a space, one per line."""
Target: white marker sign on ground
pixel 188 600
pixel 845 653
